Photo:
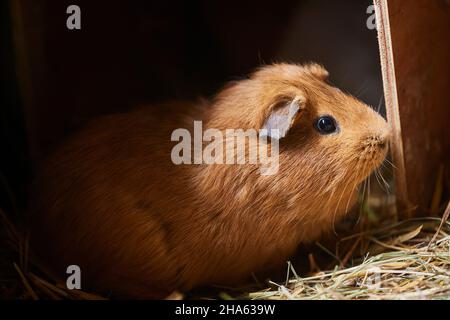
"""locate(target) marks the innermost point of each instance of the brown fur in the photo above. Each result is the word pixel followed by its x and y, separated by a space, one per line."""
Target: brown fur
pixel 111 201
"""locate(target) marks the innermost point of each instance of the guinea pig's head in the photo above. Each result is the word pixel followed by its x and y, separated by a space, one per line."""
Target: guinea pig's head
pixel 327 138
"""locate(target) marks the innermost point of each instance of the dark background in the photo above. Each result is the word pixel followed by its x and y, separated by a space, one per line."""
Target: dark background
pixel 132 52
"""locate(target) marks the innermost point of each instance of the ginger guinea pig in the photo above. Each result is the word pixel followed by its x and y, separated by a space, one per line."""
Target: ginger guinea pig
pixel 112 201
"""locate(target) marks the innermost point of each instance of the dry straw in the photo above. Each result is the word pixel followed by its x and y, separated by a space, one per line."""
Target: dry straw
pixel 408 260
pixel 405 260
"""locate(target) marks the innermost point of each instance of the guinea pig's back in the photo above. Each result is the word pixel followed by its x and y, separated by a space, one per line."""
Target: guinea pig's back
pixel 99 199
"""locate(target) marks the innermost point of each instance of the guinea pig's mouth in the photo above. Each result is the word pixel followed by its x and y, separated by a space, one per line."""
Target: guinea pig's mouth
pixel 372 153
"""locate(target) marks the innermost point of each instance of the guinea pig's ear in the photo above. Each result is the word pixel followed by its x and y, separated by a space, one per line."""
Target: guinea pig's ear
pixel 317 71
pixel 282 117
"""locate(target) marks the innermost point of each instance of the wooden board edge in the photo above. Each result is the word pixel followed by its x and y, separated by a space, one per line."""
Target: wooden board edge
pixel 405 210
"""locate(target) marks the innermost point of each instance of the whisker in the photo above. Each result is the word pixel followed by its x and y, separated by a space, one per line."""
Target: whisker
pixel 337 205
pixel 389 162
pixel 386 184
pixel 376 176
pixel 368 189
pixel 380 103
pixel 349 198
pixel 362 89
pixel 335 212
pixel 362 202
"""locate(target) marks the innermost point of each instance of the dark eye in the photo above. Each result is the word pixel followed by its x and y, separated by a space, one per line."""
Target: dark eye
pixel 326 125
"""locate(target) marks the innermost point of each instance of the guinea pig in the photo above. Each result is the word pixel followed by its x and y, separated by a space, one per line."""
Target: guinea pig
pixel 139 225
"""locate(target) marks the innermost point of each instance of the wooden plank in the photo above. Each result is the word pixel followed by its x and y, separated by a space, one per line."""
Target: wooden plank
pixel 28 32
pixel 414 38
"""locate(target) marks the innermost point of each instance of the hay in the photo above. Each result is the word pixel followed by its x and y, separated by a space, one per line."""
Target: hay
pixel 24 279
pixel 385 259
pixel 409 260
pixel 405 260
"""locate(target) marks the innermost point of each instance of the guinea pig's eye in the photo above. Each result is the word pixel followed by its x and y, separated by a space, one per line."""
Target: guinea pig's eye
pixel 326 125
